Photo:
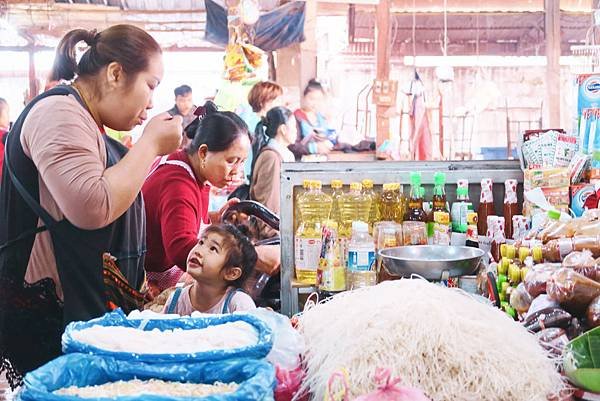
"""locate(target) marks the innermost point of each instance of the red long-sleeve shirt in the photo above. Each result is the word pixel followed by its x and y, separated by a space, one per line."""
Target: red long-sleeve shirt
pixel 175 204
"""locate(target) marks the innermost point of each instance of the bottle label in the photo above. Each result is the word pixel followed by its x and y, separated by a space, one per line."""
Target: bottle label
pixel 307 253
pixel 361 259
pixel 331 279
pixel 441 217
pixel 441 234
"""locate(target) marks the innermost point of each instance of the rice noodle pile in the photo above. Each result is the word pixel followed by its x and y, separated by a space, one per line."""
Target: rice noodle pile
pixel 149 387
pixel 177 341
pixel 437 339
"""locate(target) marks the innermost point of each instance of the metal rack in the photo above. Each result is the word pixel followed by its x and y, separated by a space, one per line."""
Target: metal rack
pixel 292 175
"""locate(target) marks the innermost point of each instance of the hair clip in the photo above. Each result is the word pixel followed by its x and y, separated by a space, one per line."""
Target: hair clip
pixel 200 112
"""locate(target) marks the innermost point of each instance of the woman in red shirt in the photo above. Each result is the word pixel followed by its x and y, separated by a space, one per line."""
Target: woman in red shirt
pixel 176 192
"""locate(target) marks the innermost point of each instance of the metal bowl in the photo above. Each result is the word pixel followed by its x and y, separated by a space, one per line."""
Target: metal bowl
pixel 433 262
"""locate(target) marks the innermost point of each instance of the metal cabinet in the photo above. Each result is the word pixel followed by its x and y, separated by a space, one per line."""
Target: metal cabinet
pixel 293 174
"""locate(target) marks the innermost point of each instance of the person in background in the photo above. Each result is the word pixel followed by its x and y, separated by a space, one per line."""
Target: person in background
pixel 276 132
pixel 72 238
pixel 184 107
pixel 219 265
pixel 176 193
pixel 4 126
pixel 262 97
pixel 314 135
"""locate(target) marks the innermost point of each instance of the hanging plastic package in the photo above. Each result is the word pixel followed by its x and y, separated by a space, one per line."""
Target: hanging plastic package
pixel 288 345
pixel 187 339
pixel 254 380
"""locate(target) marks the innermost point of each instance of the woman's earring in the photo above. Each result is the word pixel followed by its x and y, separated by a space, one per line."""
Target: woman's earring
pixel 203 163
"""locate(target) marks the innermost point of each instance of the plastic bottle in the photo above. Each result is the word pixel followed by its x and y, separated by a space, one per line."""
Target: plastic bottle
pixel 370 192
pixel 472 235
pixel 354 206
pixel 511 207
pixel 336 193
pixel 461 208
pixel 486 205
pixel 554 228
pixel 415 210
pixel 440 216
pixel 556 250
pixel 305 189
pixel 390 203
pixel 361 257
pixel 314 207
pixel 331 273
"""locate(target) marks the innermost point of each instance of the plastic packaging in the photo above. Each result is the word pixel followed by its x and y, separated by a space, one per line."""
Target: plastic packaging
pixel 117 318
pixel 331 273
pixel 572 290
pixel 461 208
pixel 520 299
pixel 553 251
pixel 553 340
pixel 537 277
pixel 593 313
pixel 336 191
pixel 414 233
pixel 555 228
pixel 354 206
pixel 583 263
pixel 374 211
pixel 588 224
pixel 591 243
pixel 539 303
pixel 256 379
pixel 387 234
pixel 546 178
pixel 288 384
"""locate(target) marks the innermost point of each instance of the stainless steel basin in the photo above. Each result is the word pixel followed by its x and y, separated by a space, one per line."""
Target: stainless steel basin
pixel 433 262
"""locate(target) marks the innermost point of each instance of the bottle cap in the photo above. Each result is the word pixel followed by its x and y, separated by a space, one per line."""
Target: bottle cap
pixel 355 186
pixel 554 214
pixel 523 253
pixel 415 178
pixel 422 192
pixel 439 178
pixel 388 186
pixel 306 184
pixel 337 184
pixel 462 192
pixel 537 254
pixel 367 183
pixel 395 186
pixel 316 184
pixel 360 226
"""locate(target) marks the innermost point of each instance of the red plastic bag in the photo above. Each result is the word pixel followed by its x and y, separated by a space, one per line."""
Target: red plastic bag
pixel 390 390
pixel 288 383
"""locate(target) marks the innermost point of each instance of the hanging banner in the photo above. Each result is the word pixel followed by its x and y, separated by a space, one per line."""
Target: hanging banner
pixel 276 29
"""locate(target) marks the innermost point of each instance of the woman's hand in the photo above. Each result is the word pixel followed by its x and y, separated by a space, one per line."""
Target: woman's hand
pixel 163 133
pixel 269 259
pixel 215 217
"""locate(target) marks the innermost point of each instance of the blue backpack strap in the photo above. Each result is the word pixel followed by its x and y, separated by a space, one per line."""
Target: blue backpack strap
pixel 174 300
pixel 228 298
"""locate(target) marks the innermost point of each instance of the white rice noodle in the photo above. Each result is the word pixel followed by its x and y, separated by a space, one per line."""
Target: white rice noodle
pixel 433 338
pixel 177 341
pixel 148 387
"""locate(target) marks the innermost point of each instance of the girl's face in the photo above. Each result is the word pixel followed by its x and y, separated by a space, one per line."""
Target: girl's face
pixel 206 261
pixel 223 168
pixel 125 105
pixel 313 100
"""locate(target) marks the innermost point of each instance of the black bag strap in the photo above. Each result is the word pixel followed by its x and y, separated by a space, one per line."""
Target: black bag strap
pixel 35 206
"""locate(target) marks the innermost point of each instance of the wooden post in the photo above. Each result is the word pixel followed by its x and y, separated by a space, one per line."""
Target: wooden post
pixel 552 30
pixel 33 83
pixel 382 49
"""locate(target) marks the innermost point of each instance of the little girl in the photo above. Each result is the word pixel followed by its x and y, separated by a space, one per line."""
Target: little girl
pixel 219 264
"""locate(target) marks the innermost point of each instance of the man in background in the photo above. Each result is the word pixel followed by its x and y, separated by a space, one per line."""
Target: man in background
pixel 4 126
pixel 184 106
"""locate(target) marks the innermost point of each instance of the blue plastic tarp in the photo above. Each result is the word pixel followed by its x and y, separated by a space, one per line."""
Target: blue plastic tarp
pixel 256 379
pixel 279 28
pixel 118 318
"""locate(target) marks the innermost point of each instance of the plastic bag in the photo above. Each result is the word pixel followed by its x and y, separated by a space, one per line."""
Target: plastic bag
pixel 389 390
pixel 117 318
pixel 583 263
pixel 537 277
pixel 520 299
pixel 587 224
pixel 593 313
pixel 288 384
pixel 256 379
pixel 553 340
pixel 572 290
pixel 288 344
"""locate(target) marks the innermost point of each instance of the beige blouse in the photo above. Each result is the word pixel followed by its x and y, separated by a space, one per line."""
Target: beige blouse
pixel 66 146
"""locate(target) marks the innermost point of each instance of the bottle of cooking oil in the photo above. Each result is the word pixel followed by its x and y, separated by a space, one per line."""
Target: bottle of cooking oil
pixel 336 193
pixel 354 206
pixel 390 203
pixel 315 208
pixel 305 188
pixel 373 213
